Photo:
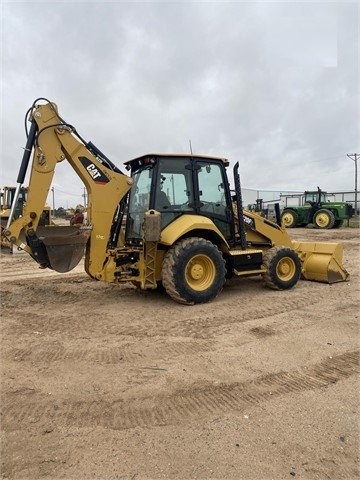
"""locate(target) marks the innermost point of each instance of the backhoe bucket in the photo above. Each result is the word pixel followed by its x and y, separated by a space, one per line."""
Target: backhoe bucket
pixel 321 262
pixel 65 246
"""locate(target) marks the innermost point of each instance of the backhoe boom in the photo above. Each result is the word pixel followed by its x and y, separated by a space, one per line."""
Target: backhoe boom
pixel 53 141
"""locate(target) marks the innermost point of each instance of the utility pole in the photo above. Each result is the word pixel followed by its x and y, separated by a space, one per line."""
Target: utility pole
pixel 354 157
pixel 84 196
pixel 53 199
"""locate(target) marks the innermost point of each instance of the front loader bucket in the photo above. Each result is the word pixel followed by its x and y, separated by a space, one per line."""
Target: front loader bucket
pixel 65 246
pixel 321 262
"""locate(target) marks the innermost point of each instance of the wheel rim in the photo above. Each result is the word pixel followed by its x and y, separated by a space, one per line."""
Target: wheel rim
pixel 200 272
pixel 286 269
pixel 322 219
pixel 288 219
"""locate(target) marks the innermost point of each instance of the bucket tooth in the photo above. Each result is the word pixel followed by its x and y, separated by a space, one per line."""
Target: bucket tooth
pixel 321 262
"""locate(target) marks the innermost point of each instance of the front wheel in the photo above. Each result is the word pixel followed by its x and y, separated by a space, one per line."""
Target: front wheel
pixel 283 268
pixel 289 218
pixel 193 271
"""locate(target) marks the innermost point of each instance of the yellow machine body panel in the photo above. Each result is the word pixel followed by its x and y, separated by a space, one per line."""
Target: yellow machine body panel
pixel 261 229
pixel 186 224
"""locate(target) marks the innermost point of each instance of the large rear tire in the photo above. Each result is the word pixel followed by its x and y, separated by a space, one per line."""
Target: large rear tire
pixel 193 271
pixel 283 268
pixel 324 219
pixel 289 218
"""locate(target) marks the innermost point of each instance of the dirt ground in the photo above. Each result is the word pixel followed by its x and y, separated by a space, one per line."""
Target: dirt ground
pixel 103 381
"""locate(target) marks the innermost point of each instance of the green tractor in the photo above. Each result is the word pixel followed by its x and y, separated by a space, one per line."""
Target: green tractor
pixel 317 210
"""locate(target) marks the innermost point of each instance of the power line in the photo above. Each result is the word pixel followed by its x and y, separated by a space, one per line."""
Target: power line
pixel 68 193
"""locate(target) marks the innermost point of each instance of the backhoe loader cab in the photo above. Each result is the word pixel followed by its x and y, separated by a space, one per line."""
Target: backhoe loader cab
pixel 175 185
pixel 171 221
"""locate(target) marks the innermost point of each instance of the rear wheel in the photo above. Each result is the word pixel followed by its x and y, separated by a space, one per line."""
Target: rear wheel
pixel 289 218
pixel 324 218
pixel 283 268
pixel 193 271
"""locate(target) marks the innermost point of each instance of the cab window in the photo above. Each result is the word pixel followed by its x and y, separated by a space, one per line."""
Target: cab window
pixel 211 189
pixel 213 196
pixel 173 194
pixel 139 202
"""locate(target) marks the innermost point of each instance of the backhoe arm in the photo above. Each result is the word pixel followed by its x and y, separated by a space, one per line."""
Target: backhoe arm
pixel 52 141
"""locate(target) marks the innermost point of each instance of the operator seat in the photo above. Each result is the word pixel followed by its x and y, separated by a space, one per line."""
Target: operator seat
pixel 162 201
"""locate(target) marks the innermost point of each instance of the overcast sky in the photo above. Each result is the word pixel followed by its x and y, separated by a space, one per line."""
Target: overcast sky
pixel 273 85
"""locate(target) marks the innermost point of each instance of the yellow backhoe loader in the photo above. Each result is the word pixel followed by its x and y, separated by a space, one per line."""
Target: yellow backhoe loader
pixel 7 195
pixel 172 221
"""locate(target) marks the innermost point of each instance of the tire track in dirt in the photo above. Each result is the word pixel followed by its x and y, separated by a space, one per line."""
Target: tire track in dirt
pixel 53 352
pixel 21 275
pixel 196 326
pixel 182 406
pixel 211 326
pixel 263 331
pixel 169 348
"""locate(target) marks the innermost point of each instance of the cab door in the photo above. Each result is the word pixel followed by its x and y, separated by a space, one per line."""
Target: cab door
pixel 214 196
